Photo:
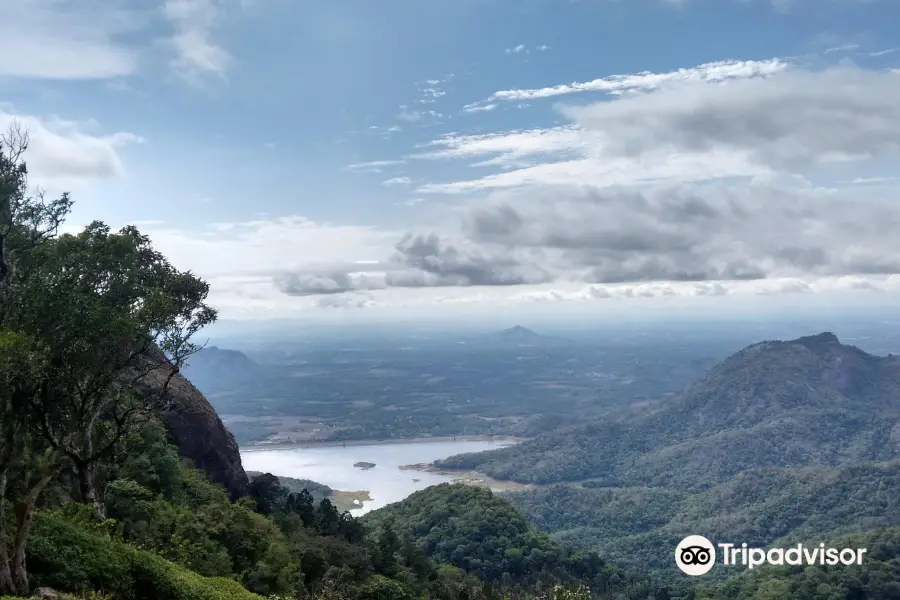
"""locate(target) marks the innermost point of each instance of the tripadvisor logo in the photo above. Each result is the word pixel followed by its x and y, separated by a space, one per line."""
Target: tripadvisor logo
pixel 695 555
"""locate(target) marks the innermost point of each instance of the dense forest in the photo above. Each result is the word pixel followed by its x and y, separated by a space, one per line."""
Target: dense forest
pixel 777 507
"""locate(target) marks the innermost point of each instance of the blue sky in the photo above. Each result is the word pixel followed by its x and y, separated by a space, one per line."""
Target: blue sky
pixel 433 154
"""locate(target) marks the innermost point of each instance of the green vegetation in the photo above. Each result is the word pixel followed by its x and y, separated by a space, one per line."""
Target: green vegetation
pixel 318 491
pixel 631 526
pixel 877 578
pixel 476 531
pixel 396 387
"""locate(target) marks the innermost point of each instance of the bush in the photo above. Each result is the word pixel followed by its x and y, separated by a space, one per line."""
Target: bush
pixel 158 579
pixel 65 557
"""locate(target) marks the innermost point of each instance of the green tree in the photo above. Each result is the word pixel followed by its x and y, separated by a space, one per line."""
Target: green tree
pixel 328 519
pixel 26 221
pixel 301 504
pixel 113 320
pixel 268 492
pixel 93 327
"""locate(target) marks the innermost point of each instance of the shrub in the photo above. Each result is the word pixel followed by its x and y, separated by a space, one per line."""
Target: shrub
pixel 68 558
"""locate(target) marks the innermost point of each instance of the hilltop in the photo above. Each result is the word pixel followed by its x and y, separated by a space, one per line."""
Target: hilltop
pixel 519 333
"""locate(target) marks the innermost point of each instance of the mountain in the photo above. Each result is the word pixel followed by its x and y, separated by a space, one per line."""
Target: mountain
pixel 519 334
pixel 216 369
pixel 809 401
pixel 784 441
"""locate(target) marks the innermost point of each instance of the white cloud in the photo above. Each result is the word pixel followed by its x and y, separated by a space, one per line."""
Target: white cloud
pixel 797 120
pixel 871 180
pixel 842 49
pixel 396 181
pixel 683 167
pixel 414 116
pixel 197 55
pixel 472 108
pixel 48 39
pixel 251 265
pixel 375 166
pixel 523 48
pixel 63 155
pixel 508 146
pixel 713 72
pixel 265 246
pixel 433 92
pixel 790 120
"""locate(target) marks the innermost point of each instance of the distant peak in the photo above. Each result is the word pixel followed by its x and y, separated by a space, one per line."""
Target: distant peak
pixel 519 332
pixel 826 337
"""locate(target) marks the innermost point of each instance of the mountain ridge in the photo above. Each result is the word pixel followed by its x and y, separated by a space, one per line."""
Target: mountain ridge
pixel 814 401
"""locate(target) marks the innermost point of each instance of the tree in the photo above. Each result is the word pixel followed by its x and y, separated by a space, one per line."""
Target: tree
pixel 26 220
pixel 301 504
pixel 113 321
pixel 328 519
pixel 268 492
pixel 93 327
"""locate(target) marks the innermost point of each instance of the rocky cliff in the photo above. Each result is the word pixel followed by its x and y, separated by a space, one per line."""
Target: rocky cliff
pixel 199 432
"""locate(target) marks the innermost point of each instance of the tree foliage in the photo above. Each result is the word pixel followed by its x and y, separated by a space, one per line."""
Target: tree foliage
pixel 85 320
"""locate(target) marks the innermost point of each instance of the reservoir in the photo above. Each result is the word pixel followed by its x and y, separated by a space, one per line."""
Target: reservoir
pixel 385 482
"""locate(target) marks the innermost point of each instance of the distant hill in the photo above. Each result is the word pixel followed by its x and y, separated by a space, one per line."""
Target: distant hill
pixel 519 333
pixel 213 369
pixel 809 401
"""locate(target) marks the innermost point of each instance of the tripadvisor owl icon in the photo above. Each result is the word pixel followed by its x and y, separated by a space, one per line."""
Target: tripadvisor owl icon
pixel 695 555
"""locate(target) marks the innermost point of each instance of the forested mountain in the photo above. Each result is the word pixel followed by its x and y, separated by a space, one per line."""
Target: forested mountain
pixel 810 401
pixel 637 526
pixel 782 442
pixel 877 578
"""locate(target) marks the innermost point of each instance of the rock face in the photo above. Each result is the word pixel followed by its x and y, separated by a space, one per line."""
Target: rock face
pixel 199 432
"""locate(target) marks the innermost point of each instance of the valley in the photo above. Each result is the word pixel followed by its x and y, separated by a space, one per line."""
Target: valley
pixel 775 443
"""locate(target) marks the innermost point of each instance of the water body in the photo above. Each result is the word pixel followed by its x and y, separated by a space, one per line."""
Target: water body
pixel 386 482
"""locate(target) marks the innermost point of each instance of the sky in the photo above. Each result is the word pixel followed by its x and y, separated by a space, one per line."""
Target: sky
pixel 346 158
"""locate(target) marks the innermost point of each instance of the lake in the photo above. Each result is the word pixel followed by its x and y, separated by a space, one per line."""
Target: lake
pixel 386 482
